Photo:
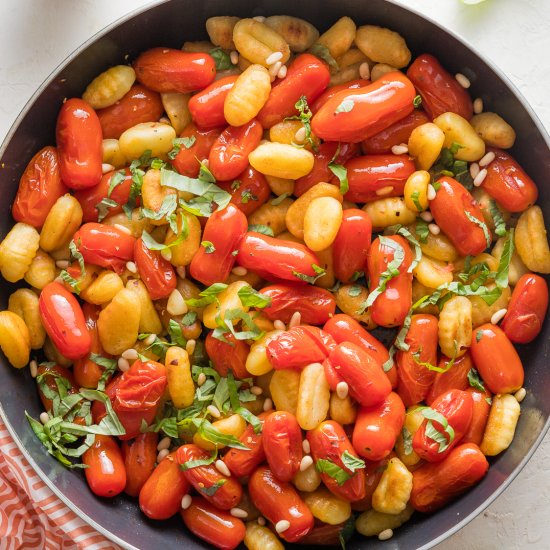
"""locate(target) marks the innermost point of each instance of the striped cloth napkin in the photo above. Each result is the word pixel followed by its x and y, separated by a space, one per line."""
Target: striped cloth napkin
pixel 31 516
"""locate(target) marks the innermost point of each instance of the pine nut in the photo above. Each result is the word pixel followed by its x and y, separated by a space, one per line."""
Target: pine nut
pixel 401 149
pixel 300 135
pixel 256 390
pixel 273 58
pixel 62 264
pixel 279 325
pixel 487 159
pixel 150 340
pixel 463 80
pixel 342 390
pixel 33 366
pixel 105 168
pixel 427 216
pixel 520 395
pixel 274 69
pixel 434 229
pixel 164 120
pixel 44 417
pixel 239 271
pixel 282 72
pixel 268 404
pixel 221 466
pixel 123 364
pixel 498 316
pixel 180 270
pixel 259 18
pixel 431 192
pixel 306 462
pixel 190 347
pixel 238 513
pixel 176 304
pixel 386 534
pixel 234 57
pixel 384 190
pixel 282 526
pixel 201 379
pixel 186 501
pixel 480 178
pixel 295 320
pixel 306 446
pixel 364 71
pixel 261 520
pixel 214 411
pixel 164 443
pixel 478 105
pixel 130 354
pixel 123 228
pixel 474 170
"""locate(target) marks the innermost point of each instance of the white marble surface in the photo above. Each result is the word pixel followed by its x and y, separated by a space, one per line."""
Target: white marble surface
pixel 36 35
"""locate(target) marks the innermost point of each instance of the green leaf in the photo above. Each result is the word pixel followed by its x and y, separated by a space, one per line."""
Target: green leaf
pixel 501 279
pixel 280 199
pixel 213 489
pixel 209 247
pixel 190 464
pixel 152 244
pixel 208 295
pixel 304 116
pixel 341 173
pixel 416 200
pixel 176 334
pixel 76 255
pixel 251 297
pixel 323 53
pixel 177 143
pixel 71 281
pixel 320 272
pixel 247 196
pixel 417 101
pixel 263 229
pixel 444 436
pixel 110 366
pixel 207 431
pixel 226 325
pixel 422 230
pixel 354 290
pixel 475 380
pixel 351 462
pixel 479 335
pixel 189 318
pixel 481 224
pixel 103 208
pixel 404 232
pixel 135 188
pixel 345 107
pixel 332 470
pixel 236 184
pixel 407 441
pixel 252 419
pixel 222 59
pixel 204 173
pixel 167 208
pixel 500 224
pixel 116 179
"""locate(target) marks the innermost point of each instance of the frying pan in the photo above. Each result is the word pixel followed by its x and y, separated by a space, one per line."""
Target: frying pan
pixel 169 24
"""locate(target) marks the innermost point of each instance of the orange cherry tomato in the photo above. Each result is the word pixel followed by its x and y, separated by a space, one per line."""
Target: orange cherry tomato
pixel 222 491
pixel 206 107
pixel 279 501
pixel 440 90
pixel 377 427
pixel 249 191
pixel 39 188
pixel 496 359
pixel 351 245
pixel 138 105
pixel 49 374
pixel 105 474
pixel 355 115
pixel 217 527
pixel 316 305
pixel 64 321
pixel 229 154
pixel 333 90
pixel 228 356
pixel 480 415
pixel 457 407
pixel 225 230
pixel 140 456
pixel 415 378
pixel 79 144
pixel 171 70
pixel 160 497
pixel 456 378
pixel 397 133
pixel 369 174
pixel 307 76
pixel 329 442
pixel 526 309
pixel 450 208
pixel 157 273
pixel 391 307
pixel 436 484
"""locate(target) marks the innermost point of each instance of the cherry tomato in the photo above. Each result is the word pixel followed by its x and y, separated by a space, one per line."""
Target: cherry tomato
pixel 456 378
pixel 329 442
pixel 79 144
pixel 157 273
pixel 436 484
pixel 370 174
pixel 324 534
pixel 315 305
pixel 355 115
pixel 351 245
pixel 274 258
pixel 282 440
pixel 440 90
pixel 170 70
pixel 105 245
pixel 140 456
pixel 279 501
pixel 496 359
pixel 333 90
pixel 39 188
pixel 307 76
pixel 482 406
pixel 64 321
pixel 415 378
pixel 222 491
pixel 377 427
pixel 49 374
pixel 225 230
pixel 160 497
pixel 228 356
pixel 217 527
pixel 105 474
pixel 452 209
pixel 457 407
pixel 332 375
pixel 367 382
pixel 249 191
pixel 139 105
pixel 206 107
pixel 397 133
pixel 391 307
pixel 526 309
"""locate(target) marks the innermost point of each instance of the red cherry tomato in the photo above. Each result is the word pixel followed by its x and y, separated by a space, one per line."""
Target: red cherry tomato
pixel 526 309
pixel 105 245
pixel 226 491
pixel 457 407
pixel 279 501
pixel 228 356
pixel 329 442
pixel 480 415
pixel 324 534
pixel 440 90
pixel 450 208
pixel 397 133
pixel 307 76
pixel 369 174
pixel 206 107
pixel 274 258
pixel 456 378
pixel 332 375
pixel 160 497
pixel 225 230
pixel 140 456
pixel 391 307
pixel 416 378
pixel 64 321
pixel 351 245
pixel 333 90
pixel 496 359
pixel 105 474
pixel 217 527
pixel 49 374
pixel 249 191
pixel 170 70
pixel 355 115
pixel 39 188
pixel 157 273
pixel 315 305
pixel 79 144
pixel 436 484
pixel 139 105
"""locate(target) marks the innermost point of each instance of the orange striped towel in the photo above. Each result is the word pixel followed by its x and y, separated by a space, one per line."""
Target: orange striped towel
pixel 31 516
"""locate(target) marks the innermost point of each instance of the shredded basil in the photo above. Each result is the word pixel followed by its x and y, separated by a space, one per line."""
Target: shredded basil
pixel 323 53
pixel 475 380
pixel 207 296
pixel 320 272
pixel 263 229
pixel 222 59
pixel 251 297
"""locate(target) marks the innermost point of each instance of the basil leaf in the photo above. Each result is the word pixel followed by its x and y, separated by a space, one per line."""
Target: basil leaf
pixel 207 431
pixel 103 208
pixel 501 279
pixel 236 184
pixel 479 335
pixel 407 441
pixel 475 380
pixel 177 143
pixel 189 319
pixel 222 59
pixel 225 325
pixel 263 229
pixel 247 196
pixel 323 53
pixel 190 464
pixel 334 471
pixel 500 224
pixel 135 188
pixel 310 278
pixel 342 174
pixel 213 489
pixel 76 255
pixel 71 281
pixel 280 199
pixel 116 179
pixel 208 295
pixel 416 200
pixel 417 101
pixel 152 244
pixel 404 232
pixel 352 463
pixel 251 297
pixel 434 433
pixel 354 290
pixel 110 366
pixel 166 209
pixel 481 224
pixel 176 334
pixel 209 247
pixel 304 116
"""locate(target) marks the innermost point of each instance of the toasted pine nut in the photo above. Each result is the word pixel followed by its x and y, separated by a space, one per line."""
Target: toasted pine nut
pixel 33 366
pixel 162 455
pixel 487 159
pixel 282 72
pixel 342 390
pixel 305 446
pixel 123 365
pixel 214 411
pixel 364 71
pixel 478 105
pixel 434 229
pixel 520 394
pixel 176 304
pixel 427 216
pixel 295 320
pixel 239 271
pixel 268 404
pixel 480 178
pixel 105 168
pixel 130 354
pixel 279 325
pixel 44 417
pixel 463 80
pixel 221 466
pixel 238 513
pixel 256 390
pixel 273 58
pixel 400 149
pixel 282 526
pixel 306 462
pixel 386 534
pixel 190 347
pixel 234 57
pixel 201 379
pixel 474 169
pixel 498 316
pixel 186 501
pixel 431 192
pixel 164 443
pixel 384 190
pixel 150 340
